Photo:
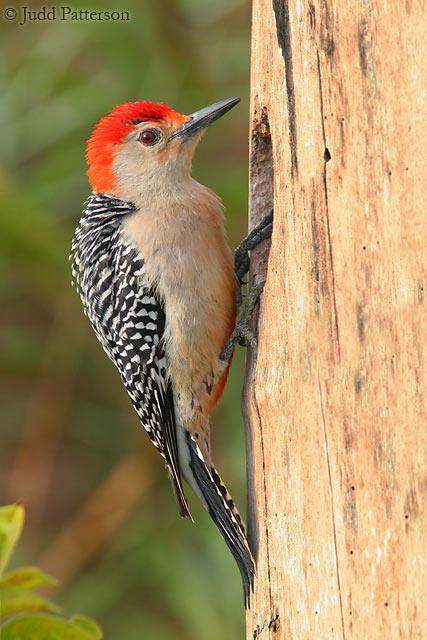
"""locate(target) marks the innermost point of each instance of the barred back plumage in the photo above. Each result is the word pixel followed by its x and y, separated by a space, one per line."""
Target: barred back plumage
pixel 129 320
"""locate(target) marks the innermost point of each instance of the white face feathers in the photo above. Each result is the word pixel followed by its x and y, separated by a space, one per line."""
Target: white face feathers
pixel 149 164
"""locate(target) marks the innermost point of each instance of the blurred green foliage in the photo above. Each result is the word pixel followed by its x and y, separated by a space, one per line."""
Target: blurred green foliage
pixel 100 512
pixel 24 614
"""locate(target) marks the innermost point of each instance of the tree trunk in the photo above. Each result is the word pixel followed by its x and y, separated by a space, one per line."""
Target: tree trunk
pixel 335 408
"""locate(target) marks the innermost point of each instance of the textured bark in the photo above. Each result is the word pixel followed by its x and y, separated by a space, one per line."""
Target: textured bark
pixel 336 407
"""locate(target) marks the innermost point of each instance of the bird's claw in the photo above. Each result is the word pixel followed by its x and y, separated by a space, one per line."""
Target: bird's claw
pixel 259 233
pixel 241 255
pixel 242 333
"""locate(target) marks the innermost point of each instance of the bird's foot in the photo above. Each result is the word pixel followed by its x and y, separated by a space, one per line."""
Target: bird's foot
pixel 242 333
pixel 241 255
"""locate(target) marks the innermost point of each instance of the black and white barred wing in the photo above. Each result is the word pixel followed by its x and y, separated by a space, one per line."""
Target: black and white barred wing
pixel 141 360
pixel 128 319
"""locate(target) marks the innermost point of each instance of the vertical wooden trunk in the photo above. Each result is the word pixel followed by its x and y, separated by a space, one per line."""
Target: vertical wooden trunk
pixel 336 406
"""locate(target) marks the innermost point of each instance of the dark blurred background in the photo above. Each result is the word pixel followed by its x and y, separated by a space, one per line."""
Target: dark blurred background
pixel 100 511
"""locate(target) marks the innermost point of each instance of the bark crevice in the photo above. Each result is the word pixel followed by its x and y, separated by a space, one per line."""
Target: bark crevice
pixel 326 158
pixel 331 489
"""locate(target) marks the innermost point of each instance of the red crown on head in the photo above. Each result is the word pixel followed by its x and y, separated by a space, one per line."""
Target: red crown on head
pixel 102 146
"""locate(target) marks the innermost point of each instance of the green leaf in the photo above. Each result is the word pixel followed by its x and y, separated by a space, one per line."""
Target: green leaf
pixel 89 625
pixel 26 578
pixel 14 600
pixel 11 522
pixel 46 627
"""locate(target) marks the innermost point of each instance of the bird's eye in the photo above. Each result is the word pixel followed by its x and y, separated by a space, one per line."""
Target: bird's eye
pixel 149 136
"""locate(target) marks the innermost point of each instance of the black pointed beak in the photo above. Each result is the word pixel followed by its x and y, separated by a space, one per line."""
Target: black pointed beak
pixel 203 118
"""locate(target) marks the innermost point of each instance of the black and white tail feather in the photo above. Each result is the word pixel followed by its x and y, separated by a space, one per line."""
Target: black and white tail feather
pixel 128 318
pixel 224 514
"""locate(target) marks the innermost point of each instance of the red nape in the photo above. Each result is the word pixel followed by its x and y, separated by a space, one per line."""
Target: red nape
pixel 104 143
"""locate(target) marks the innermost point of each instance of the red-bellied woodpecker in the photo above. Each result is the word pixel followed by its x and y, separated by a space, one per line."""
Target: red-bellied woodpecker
pixel 157 281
